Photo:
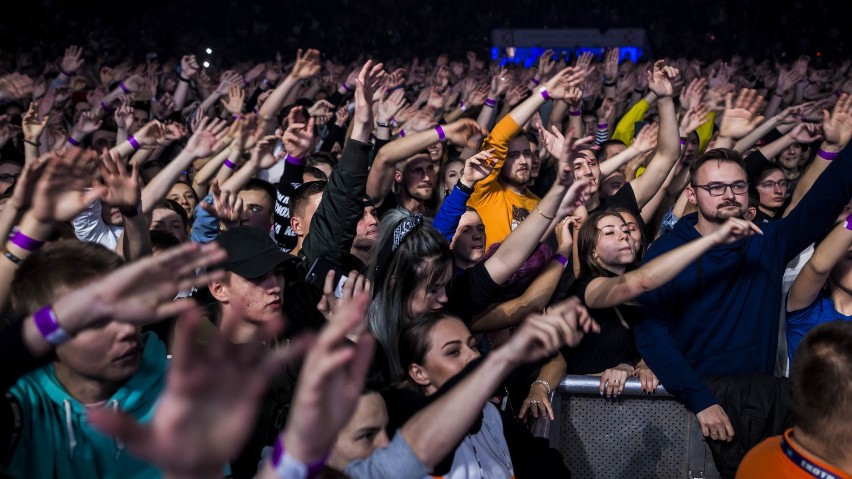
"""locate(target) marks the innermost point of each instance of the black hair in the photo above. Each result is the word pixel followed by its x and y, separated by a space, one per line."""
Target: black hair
pixel 717 154
pixel 301 195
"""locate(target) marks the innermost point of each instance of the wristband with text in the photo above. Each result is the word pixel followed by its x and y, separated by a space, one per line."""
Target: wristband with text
pixel 48 326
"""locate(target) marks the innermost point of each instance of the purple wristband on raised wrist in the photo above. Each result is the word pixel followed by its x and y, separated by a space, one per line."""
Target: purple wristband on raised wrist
pixel 849 222
pixel 123 88
pixel 72 141
pixel 104 106
pixel 544 94
pixel 230 164
pixel 345 87
pixel 135 144
pixel 293 160
pixel 25 242
pixel 603 126
pixel 440 131
pixel 48 326
pixel 68 74
pixel 402 133
pixel 278 458
pixel 575 113
pixel 561 259
pixel 534 81
pixel 827 155
pixel 682 140
pixel 490 102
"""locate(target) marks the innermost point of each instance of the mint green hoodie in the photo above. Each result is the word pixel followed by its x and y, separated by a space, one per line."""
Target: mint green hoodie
pixel 57 441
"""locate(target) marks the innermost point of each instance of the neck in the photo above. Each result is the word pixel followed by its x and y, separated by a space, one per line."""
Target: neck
pixel 790 174
pixel 86 390
pixel 593 202
pixel 766 211
pixel 816 448
pixel 706 227
pixel 617 269
pixel 463 263
pixel 362 254
pixel 512 187
pixel 841 297
pixel 410 203
pixel 241 330
pixel 298 247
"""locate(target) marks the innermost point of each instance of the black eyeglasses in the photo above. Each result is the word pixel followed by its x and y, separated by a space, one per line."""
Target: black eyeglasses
pixel 769 184
pixel 718 189
pixel 7 178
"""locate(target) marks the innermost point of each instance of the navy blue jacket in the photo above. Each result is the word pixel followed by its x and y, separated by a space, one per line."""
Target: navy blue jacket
pixel 720 316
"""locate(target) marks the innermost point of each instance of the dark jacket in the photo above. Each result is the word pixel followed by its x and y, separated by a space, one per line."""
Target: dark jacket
pixel 719 316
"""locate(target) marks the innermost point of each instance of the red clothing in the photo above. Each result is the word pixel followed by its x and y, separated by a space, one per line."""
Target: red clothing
pixel 781 457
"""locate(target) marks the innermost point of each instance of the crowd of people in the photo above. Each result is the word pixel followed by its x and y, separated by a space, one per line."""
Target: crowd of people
pixel 306 268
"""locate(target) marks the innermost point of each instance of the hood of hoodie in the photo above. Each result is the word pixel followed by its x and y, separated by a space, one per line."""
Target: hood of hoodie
pixel 56 422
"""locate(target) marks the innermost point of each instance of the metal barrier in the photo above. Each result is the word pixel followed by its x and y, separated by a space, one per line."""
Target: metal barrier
pixel 636 435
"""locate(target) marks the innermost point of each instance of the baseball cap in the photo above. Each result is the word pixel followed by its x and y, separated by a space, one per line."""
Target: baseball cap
pixel 251 252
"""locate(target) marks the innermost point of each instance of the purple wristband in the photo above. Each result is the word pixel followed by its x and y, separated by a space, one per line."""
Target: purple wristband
pixel 849 222
pixel 603 126
pixel 278 453
pixel 544 94
pixel 441 135
pixel 561 259
pixel 682 140
pixel 229 164
pixel 104 106
pixel 48 327
pixel 123 88
pixel 490 102
pixel 24 242
pixel 402 133
pixel 68 74
pixel 72 141
pixel 534 81
pixel 827 155
pixel 574 113
pixel 293 160
pixel 345 87
pixel 133 142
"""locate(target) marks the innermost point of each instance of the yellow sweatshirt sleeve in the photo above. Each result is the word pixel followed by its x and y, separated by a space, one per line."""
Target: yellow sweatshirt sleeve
pixel 705 131
pixel 499 139
pixel 625 129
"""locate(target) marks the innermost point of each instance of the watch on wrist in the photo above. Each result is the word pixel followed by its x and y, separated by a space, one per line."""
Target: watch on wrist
pixel 382 124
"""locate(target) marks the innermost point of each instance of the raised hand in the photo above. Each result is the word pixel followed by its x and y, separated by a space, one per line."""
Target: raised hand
pixel 31 125
pixel 72 60
pixel 236 100
pixel 15 86
pixel 646 139
pixel 61 192
pixel 546 66
pixel 661 79
pixel 391 105
pixel 541 335
pixel 298 138
pixel 321 110
pixel 209 406
pixel 478 167
pixel 693 93
pixel 695 117
pixel 152 133
pixel 201 142
pixel 478 95
pixel 124 116
pixel 805 133
pixel 740 117
pixel 787 79
pixel 188 67
pixel 254 73
pixel 87 124
pixel 461 132
pixel 584 61
pixel 500 82
pixel 227 205
pixel 606 109
pixel 735 229
pixel 307 64
pixel 610 65
pixel 366 85
pixel 263 154
pixel 515 94
pixel 334 294
pixel 121 189
pixel 559 86
pixel 837 127
pixel 227 80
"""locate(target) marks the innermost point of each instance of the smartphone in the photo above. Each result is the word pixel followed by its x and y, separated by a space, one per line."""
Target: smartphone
pixel 319 270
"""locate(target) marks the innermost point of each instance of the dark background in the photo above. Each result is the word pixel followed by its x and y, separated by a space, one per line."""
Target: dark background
pixel 344 29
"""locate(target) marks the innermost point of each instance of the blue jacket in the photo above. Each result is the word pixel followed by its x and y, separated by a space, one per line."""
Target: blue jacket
pixel 719 316
pixel 56 440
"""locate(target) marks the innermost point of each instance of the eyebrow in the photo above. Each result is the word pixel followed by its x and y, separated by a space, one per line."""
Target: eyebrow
pixel 451 343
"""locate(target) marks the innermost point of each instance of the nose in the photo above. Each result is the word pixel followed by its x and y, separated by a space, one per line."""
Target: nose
pixel 381 440
pixel 777 188
pixel 728 194
pixel 585 170
pixel 442 297
pixel 471 355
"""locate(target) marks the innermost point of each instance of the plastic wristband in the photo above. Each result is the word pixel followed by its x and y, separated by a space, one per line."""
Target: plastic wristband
pixel 575 113
pixel 402 133
pixel 490 102
pixel 849 222
pixel 25 242
pixel 561 259
pixel 48 326
pixel 123 88
pixel 230 164
pixel 68 74
pixel 185 80
pixel 827 155
pixel 603 126
pixel 104 106
pixel 441 135
pixel 293 160
pixel 288 467
pixel 534 81
pixel 544 94
pixel 345 87
pixel 461 106
pixel 135 144
pixel 72 141
pixel 683 140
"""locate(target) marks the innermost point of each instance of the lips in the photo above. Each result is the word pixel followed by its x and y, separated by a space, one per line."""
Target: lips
pixel 275 305
pixel 129 354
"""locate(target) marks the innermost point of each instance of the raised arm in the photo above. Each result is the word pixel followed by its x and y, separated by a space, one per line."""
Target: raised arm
pixel 739 118
pixel 668 141
pixel 645 141
pixel 604 292
pixel 811 279
pixel 306 66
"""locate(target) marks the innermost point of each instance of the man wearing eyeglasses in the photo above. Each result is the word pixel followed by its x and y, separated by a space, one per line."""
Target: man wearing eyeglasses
pixel 711 334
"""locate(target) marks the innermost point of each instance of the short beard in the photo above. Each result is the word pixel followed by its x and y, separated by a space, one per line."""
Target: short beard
pixel 515 181
pixel 417 195
pixel 716 216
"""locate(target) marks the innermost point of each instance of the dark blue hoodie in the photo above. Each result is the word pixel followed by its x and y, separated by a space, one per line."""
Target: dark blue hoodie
pixel 720 316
